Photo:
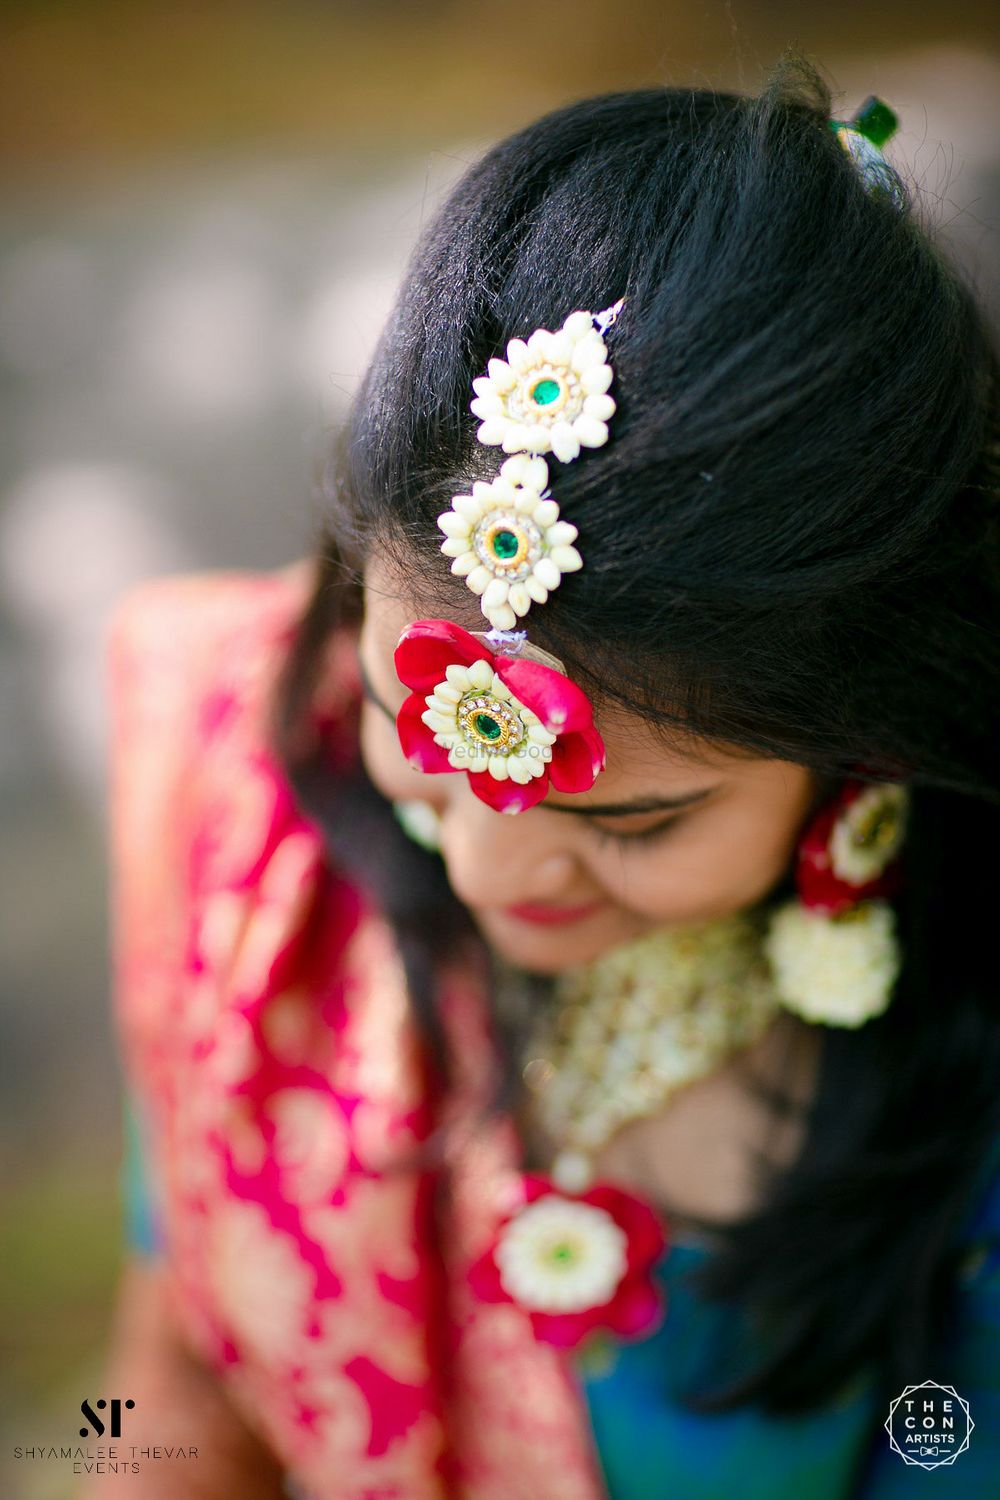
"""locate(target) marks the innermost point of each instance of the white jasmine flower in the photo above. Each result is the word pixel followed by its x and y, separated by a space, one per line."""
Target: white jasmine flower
pixel 561 1256
pixel 549 394
pixel 484 727
pixel 420 820
pixel 869 833
pixel 508 542
pixel 837 970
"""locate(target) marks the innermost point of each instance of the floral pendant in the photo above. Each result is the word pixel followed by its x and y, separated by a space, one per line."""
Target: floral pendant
pixel 578 1264
pixel 512 724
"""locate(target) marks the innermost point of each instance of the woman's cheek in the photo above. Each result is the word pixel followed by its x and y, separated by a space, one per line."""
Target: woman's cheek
pixel 698 874
pixel 381 754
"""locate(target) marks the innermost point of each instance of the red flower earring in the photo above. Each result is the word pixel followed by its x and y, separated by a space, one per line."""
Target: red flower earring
pixel 833 950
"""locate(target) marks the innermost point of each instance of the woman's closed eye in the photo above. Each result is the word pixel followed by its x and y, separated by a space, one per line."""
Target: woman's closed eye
pixel 647 836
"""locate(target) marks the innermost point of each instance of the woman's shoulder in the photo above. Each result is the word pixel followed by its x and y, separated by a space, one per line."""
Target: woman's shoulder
pixel 195 662
pixel 183 620
pixel 199 802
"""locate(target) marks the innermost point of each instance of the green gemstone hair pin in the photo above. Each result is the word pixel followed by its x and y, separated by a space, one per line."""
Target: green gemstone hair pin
pixel 550 395
pixel 863 136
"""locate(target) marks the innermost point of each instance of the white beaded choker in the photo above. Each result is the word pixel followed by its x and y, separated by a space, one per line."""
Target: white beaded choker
pixel 629 1029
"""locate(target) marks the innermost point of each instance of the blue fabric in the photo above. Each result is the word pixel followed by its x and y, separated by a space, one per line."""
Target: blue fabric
pixel 143 1234
pixel 650 1446
pixel 652 1449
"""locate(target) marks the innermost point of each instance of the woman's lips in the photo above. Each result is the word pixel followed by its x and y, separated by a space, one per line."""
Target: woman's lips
pixel 549 915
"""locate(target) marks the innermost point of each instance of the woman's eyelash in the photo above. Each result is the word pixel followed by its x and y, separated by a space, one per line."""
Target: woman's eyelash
pixel 647 835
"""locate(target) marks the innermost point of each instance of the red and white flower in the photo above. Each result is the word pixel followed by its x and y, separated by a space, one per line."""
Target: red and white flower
pixel 513 724
pixel 849 851
pixel 838 971
pixel 834 951
pixel 576 1264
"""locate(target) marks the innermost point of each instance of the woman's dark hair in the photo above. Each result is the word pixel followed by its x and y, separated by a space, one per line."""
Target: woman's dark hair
pixel 790 545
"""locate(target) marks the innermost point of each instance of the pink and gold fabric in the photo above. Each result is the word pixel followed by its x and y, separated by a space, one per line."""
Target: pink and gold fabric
pixel 263 1024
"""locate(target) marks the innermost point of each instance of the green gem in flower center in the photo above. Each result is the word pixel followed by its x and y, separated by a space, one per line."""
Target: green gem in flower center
pixel 878 831
pixel 489 724
pixel 545 392
pixel 487 727
pixel 563 1253
pixel 505 544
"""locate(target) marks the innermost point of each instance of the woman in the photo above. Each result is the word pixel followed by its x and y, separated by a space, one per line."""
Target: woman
pixel 699 1235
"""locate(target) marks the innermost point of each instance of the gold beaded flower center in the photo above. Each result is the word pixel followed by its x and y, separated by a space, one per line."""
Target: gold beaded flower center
pixel 878 830
pixel 508 544
pixel 489 723
pixel 545 393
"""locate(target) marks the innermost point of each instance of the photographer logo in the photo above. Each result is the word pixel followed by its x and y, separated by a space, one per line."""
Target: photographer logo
pixel 929 1424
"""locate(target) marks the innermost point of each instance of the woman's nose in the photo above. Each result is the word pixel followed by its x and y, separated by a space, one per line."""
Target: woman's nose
pixel 496 859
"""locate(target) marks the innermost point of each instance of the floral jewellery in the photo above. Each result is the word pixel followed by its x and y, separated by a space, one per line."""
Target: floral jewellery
pixel 514 724
pixel 419 820
pixel 506 538
pixel 834 949
pixel 575 1265
pixel 508 542
pixel 627 1030
pixel 630 1028
pixel 489 703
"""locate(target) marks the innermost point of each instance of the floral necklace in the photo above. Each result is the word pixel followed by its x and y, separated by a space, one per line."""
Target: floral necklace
pixel 622 1035
pixel 627 1030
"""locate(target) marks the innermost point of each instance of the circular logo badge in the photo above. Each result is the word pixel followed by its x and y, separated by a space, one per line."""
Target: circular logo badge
pixel 929 1424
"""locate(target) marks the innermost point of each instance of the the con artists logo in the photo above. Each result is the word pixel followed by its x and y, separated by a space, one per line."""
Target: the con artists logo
pixel 929 1424
pixel 96 1424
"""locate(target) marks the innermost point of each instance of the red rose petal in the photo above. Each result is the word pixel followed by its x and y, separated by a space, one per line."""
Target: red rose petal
pixel 417 739
pixel 647 1237
pixel 577 759
pixel 536 1185
pixel 558 702
pixel 637 1308
pixel 427 647
pixel 508 796
pixel 566 1330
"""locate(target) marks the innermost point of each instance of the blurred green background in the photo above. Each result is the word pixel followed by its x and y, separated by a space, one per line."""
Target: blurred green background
pixel 204 212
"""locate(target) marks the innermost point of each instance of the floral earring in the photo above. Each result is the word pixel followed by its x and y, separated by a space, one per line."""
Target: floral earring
pixel 833 949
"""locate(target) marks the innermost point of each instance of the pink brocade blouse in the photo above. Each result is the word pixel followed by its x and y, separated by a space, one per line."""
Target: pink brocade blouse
pixel 264 1026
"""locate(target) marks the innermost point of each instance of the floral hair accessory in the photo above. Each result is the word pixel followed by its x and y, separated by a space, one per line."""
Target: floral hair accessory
pixel 508 542
pixel 511 718
pixel 514 724
pixel 575 1264
pixel 551 392
pixel 834 950
pixel 550 395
